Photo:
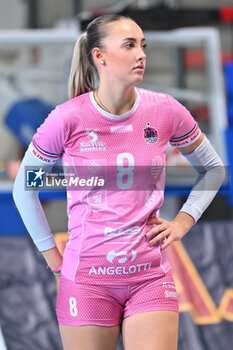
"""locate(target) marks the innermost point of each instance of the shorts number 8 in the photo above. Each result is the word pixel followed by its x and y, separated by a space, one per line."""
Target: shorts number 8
pixel 73 306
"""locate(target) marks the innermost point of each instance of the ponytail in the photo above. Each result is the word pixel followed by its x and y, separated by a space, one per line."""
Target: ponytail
pixel 82 71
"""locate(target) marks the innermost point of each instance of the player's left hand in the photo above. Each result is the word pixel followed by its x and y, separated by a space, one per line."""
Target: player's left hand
pixel 164 231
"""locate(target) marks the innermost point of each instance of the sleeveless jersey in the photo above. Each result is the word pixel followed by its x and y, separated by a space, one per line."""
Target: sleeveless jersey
pixel 107 226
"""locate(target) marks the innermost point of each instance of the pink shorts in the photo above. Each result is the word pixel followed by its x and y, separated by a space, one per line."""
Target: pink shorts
pixel 79 304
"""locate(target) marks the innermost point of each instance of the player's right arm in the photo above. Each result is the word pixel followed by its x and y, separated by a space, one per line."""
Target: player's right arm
pixel 44 150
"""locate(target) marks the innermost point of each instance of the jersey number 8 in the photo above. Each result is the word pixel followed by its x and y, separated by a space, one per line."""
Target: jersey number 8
pixel 125 171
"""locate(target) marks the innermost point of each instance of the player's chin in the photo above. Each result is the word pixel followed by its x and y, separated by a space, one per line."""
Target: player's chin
pixel 137 78
pixel 133 80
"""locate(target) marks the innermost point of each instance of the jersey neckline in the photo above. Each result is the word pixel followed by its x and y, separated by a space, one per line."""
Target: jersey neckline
pixel 115 116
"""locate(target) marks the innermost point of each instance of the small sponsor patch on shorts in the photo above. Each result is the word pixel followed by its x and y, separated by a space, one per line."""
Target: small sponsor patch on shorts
pixel 170 294
pixel 170 285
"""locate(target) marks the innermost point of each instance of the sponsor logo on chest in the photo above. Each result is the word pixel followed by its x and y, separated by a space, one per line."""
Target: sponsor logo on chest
pixel 93 143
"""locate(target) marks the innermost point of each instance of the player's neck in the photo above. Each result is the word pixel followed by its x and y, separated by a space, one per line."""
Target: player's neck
pixel 115 100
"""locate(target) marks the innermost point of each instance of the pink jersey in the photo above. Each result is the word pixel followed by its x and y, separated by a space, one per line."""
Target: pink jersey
pixel 107 226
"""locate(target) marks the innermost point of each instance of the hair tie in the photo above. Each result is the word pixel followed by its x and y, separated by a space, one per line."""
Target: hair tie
pixel 56 270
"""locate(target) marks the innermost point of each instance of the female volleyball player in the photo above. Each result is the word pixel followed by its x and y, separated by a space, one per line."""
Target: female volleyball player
pixel 115 273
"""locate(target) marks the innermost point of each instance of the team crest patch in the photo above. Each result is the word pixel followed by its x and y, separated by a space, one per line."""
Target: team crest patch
pixel 150 134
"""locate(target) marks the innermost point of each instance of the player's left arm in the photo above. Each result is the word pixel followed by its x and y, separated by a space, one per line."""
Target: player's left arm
pixel 211 173
pixel 188 149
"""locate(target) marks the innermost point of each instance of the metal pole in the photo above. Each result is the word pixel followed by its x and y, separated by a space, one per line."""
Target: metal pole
pixel 32 13
pixel 179 67
pixel 77 6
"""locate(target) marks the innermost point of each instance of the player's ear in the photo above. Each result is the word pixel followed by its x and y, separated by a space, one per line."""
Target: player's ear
pixel 97 55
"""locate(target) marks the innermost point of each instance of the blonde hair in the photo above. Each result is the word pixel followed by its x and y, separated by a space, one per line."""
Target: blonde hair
pixel 83 69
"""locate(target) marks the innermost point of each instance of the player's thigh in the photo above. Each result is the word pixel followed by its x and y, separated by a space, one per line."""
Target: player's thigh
pixel 89 337
pixel 154 330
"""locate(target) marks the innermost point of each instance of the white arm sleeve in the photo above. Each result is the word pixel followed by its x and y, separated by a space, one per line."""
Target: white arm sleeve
pixel 211 176
pixel 29 206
